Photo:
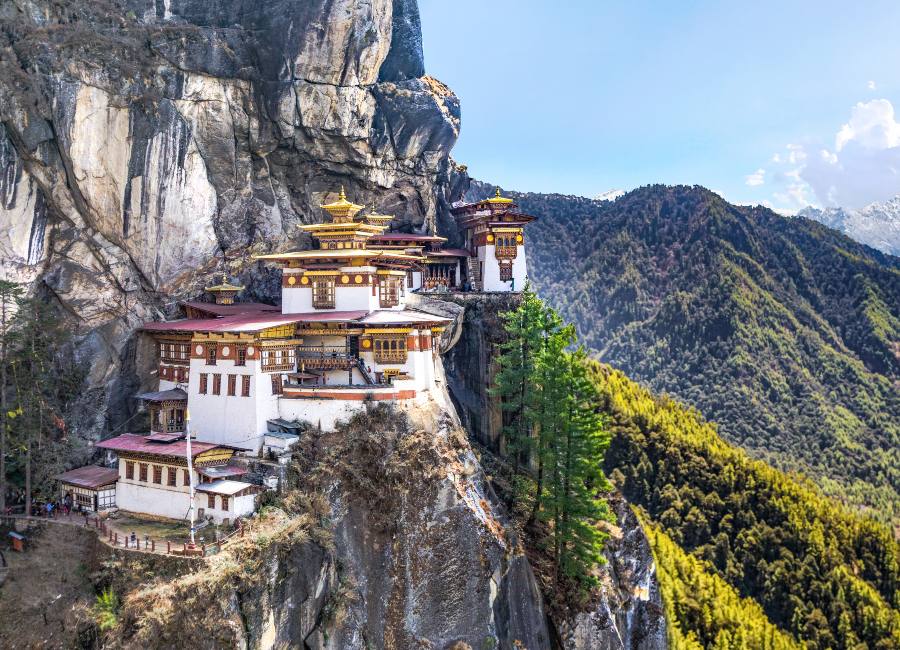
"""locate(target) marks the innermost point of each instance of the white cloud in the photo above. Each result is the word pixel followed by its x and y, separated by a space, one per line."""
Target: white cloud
pixel 756 178
pixel 871 85
pixel 865 165
pixel 862 167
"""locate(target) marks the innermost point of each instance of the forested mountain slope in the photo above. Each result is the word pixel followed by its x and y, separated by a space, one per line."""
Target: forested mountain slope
pixel 783 331
pixel 828 577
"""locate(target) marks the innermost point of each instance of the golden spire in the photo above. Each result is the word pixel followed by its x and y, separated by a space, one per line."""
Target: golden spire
pixel 342 210
pixel 497 198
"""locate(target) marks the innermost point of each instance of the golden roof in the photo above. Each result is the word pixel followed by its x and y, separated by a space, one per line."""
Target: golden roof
pixel 499 199
pixel 375 218
pixel 225 286
pixel 342 209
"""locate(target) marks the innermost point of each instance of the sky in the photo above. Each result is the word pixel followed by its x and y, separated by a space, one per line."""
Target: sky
pixel 785 104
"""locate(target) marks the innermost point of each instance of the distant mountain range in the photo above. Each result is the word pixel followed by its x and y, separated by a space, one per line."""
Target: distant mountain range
pixel 782 330
pixel 876 225
pixel 609 195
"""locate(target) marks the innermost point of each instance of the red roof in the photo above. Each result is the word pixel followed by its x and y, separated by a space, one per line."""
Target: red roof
pixel 399 236
pixel 230 310
pixel 133 442
pixel 449 252
pixel 89 476
pixel 253 322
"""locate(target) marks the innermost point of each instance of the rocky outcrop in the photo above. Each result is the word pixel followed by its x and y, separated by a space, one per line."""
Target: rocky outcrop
pixel 630 614
pixel 144 140
pixel 393 540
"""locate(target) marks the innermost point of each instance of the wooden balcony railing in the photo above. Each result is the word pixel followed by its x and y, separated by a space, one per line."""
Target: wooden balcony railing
pixel 390 356
pixel 505 252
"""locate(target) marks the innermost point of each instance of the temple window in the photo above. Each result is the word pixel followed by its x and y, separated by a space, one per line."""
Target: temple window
pixel 142 472
pixel 390 350
pixel 241 359
pixel 186 477
pixel 232 385
pixel 211 354
pixel 506 272
pixel 217 384
pixel 203 380
pixel 211 501
pixel 389 291
pixel 323 293
pixel 172 477
pixel 157 474
pixel 277 388
pixel 224 502
pixel 129 470
pixel 245 386
pixel 278 358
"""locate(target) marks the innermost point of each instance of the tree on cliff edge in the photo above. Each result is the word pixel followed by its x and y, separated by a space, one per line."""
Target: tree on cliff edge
pixel 552 420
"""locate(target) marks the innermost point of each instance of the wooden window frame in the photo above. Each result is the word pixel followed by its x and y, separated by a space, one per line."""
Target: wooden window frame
pixel 323 289
pixel 277 385
pixel 224 498
pixel 172 477
pixel 390 288
pixel 211 354
pixel 129 470
pixel 245 385
pixel 157 474
pixel 142 472
pixel 211 501
pixel 240 356
pixel 232 385
pixel 204 383
pixel 217 383
pixel 390 349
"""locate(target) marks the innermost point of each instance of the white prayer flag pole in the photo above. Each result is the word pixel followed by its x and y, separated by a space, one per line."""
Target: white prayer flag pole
pixel 187 428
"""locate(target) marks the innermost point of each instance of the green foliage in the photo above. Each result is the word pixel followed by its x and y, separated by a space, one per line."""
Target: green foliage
pixel 553 422
pixel 828 576
pixel 785 333
pixel 704 611
pixel 106 610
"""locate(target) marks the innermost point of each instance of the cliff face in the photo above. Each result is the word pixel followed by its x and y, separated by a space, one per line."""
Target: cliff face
pixel 389 537
pixel 628 614
pixel 142 140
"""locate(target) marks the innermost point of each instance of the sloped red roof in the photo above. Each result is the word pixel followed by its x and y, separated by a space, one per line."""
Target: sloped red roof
pixel 399 236
pixel 89 476
pixel 230 310
pixel 449 252
pixel 133 442
pixel 252 322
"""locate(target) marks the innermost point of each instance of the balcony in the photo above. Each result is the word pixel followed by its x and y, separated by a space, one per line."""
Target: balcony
pixel 505 252
pixel 390 356
pixel 324 357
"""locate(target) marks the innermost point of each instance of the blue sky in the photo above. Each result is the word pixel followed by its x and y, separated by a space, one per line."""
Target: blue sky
pixel 782 103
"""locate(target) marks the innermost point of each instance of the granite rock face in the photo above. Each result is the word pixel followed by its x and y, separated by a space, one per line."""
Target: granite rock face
pixel 141 141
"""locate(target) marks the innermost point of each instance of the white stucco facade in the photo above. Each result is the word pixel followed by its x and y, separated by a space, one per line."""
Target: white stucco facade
pixel 490 270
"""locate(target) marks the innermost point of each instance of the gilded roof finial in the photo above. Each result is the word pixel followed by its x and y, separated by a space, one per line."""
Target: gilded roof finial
pixel 497 193
pixel 342 196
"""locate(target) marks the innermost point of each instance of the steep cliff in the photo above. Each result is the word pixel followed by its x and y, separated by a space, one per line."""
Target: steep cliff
pixel 626 613
pixel 143 140
pixel 388 537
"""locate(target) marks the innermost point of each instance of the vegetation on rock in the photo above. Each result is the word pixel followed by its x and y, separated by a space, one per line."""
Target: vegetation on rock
pixel 828 576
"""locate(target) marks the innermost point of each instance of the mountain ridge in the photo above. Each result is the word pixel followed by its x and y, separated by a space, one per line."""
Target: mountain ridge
pixel 784 332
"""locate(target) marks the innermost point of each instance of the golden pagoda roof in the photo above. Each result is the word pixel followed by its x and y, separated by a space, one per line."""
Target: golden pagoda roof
pixel 342 209
pixel 348 228
pixel 225 286
pixel 499 199
pixel 375 218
